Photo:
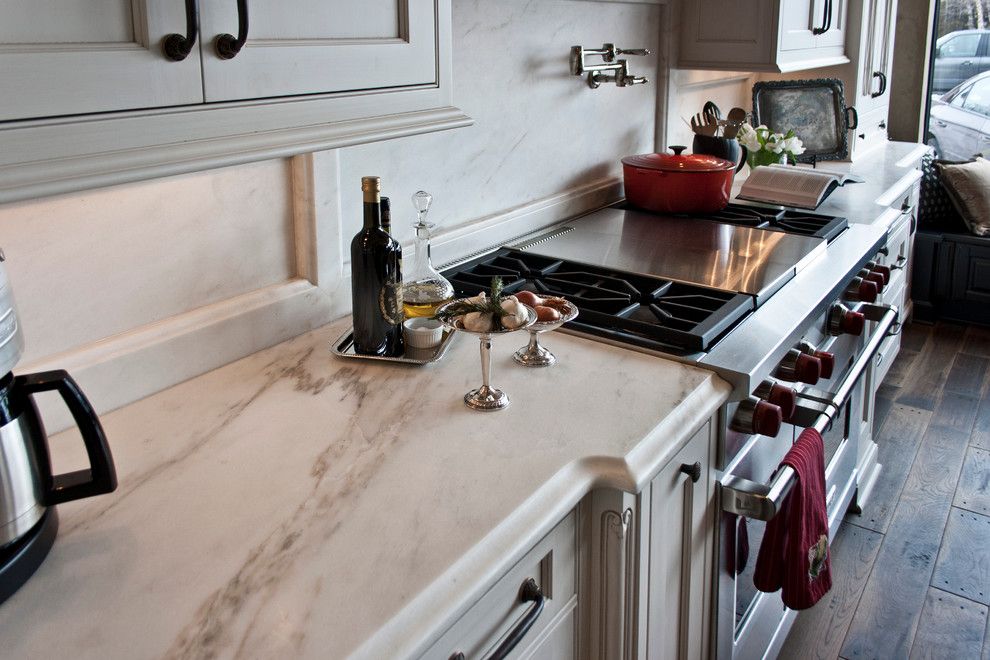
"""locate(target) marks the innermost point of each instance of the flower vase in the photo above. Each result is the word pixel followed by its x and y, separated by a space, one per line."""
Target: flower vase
pixel 757 158
pixel 762 157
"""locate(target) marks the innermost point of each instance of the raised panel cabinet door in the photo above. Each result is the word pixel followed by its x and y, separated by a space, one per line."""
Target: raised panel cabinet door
pixel 681 523
pixel 320 46
pixel 836 33
pixel 798 19
pixel 64 58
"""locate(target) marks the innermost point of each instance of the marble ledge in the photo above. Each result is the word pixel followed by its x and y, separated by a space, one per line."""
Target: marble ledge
pixel 293 504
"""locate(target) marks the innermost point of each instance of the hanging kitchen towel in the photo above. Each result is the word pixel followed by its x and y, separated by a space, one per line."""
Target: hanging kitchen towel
pixel 794 554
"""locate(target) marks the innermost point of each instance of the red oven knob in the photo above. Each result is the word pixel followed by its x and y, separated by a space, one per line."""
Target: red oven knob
pixel 883 271
pixel 757 417
pixel 798 367
pixel 779 395
pixel 871 276
pixel 844 321
pixel 827 359
pixel 864 290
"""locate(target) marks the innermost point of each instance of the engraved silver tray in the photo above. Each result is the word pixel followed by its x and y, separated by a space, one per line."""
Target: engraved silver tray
pixel 344 347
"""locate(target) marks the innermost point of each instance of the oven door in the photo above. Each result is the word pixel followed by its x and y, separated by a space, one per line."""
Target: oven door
pixel 750 623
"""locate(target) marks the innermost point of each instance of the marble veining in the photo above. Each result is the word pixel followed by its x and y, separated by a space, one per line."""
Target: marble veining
pixel 293 504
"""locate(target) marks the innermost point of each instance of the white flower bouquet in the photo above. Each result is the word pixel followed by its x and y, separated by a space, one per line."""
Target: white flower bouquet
pixel 766 148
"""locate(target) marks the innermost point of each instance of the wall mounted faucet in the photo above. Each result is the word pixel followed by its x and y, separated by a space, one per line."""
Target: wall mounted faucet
pixel 610 70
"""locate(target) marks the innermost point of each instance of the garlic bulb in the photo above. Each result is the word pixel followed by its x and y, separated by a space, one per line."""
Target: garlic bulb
pixel 515 314
pixel 477 321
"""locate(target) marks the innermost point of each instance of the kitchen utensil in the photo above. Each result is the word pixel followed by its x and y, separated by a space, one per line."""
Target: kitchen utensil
pixel 721 147
pixel 486 397
pixel 534 355
pixel 713 115
pixel 700 126
pixel 28 487
pixel 676 183
pixel 736 118
pixel 816 111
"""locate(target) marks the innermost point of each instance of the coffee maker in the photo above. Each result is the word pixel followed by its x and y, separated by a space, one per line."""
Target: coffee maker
pixel 28 489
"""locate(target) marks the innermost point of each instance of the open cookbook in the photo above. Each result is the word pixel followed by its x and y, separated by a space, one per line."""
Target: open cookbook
pixel 802 187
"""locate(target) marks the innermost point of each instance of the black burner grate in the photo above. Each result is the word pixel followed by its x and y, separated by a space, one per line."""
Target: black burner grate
pixel 791 221
pixel 637 309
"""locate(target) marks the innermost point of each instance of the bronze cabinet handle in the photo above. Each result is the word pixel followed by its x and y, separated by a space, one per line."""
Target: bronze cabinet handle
pixel 227 45
pixel 176 46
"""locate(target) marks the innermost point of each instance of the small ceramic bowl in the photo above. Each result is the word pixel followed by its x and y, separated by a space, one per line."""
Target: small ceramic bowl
pixel 422 332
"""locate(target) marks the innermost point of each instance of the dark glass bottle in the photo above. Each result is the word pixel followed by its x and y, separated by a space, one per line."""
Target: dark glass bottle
pixel 376 281
pixel 386 215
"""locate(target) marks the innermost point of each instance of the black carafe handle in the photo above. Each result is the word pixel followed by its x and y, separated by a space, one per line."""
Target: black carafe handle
pixel 101 477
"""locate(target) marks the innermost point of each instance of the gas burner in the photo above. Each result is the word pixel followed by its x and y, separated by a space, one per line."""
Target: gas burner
pixel 646 311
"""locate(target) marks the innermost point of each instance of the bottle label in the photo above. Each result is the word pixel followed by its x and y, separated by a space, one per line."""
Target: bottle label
pixel 390 302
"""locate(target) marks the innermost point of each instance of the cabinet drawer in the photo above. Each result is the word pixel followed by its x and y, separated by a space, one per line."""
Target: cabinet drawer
pixel 552 564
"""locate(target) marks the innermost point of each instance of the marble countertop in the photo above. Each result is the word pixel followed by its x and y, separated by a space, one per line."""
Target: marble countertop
pixel 890 170
pixel 294 504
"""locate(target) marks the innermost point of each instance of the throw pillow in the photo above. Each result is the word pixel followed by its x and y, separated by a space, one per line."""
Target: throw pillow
pixel 968 185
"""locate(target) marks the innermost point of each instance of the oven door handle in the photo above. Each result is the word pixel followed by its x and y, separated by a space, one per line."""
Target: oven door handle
pixel 763 501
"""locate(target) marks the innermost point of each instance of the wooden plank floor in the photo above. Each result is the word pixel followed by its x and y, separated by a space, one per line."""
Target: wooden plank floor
pixel 911 574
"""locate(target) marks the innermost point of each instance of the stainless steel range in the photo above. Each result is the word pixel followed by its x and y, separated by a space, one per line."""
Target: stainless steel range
pixel 780 303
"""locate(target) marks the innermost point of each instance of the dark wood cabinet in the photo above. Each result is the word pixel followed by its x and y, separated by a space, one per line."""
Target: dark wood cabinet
pixel 952 277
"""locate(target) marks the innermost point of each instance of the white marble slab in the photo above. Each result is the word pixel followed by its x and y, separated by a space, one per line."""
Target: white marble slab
pixel 294 504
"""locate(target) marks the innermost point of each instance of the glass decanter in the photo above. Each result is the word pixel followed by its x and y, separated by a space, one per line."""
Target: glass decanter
pixel 425 289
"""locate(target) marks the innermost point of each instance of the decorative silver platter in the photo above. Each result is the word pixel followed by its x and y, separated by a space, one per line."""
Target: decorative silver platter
pixel 344 347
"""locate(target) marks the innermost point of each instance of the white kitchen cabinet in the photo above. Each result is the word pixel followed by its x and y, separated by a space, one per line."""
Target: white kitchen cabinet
pixel 319 46
pixel 681 518
pixel 762 35
pixel 552 564
pixel 649 588
pixel 318 75
pixel 867 80
pixel 67 58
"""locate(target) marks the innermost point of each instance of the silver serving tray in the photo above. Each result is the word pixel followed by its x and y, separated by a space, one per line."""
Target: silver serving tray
pixel 344 347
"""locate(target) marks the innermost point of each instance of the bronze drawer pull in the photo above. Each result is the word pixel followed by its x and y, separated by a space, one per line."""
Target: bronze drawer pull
pixel 530 592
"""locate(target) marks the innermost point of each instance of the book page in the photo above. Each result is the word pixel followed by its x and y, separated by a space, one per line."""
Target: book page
pixel 841 177
pixel 787 185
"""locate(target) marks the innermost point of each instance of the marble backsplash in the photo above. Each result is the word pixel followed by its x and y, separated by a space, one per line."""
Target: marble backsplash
pixel 139 286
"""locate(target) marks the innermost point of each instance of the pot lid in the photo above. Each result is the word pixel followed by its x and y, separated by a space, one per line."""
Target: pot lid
pixel 678 162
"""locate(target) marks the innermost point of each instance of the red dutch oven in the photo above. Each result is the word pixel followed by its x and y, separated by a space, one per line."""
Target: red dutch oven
pixel 678 183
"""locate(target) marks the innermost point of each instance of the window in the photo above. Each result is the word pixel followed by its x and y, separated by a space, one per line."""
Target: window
pixel 963 45
pixel 978 99
pixel 960 97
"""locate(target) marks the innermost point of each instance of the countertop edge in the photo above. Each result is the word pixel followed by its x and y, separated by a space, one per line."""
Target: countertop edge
pixel 409 633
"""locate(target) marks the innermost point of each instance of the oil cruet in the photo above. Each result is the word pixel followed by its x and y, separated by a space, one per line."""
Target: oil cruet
pixel 425 289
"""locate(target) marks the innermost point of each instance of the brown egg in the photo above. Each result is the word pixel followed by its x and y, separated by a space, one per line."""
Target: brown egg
pixel 529 298
pixel 545 314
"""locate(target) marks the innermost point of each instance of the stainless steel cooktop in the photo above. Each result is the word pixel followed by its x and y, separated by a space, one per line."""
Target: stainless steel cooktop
pixel 727 257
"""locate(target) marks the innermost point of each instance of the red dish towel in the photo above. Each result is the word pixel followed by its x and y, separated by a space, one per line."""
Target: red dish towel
pixel 794 554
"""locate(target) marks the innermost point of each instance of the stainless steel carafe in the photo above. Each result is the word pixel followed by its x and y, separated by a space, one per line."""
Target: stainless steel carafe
pixel 27 485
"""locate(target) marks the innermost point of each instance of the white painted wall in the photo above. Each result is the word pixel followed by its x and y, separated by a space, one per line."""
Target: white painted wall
pixel 139 286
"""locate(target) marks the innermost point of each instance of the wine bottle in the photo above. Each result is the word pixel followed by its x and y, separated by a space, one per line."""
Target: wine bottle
pixel 376 281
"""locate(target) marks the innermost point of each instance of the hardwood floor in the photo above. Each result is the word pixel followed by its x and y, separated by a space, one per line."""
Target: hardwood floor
pixel 911 574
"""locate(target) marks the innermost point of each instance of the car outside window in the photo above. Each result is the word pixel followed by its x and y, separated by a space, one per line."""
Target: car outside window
pixel 978 99
pixel 960 97
pixel 964 45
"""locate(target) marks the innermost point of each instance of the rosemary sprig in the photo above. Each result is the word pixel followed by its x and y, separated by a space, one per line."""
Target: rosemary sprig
pixel 491 305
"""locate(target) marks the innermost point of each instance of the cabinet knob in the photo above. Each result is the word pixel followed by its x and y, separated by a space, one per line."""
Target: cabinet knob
pixel 693 471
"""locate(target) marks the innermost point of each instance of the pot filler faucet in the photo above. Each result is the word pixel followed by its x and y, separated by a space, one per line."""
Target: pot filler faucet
pixel 610 70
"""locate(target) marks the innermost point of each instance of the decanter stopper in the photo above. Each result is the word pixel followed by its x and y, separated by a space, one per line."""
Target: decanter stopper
pixel 422 201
